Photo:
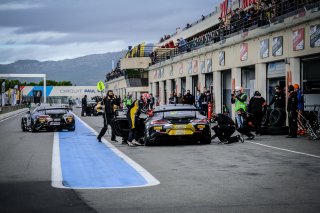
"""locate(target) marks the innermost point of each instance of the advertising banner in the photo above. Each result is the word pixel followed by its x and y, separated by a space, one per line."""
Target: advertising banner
pixel 244 51
pixel 315 35
pixel 180 68
pixel 195 67
pixel 203 66
pixel 221 58
pixel 209 65
pixel 277 46
pixel 190 67
pixel 298 39
pixel 264 48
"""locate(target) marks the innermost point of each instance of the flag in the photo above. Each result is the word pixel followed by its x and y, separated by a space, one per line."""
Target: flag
pixel 142 46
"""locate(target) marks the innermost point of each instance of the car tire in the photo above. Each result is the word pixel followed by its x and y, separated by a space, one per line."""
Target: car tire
pixel 23 127
pixel 206 141
pixel 146 141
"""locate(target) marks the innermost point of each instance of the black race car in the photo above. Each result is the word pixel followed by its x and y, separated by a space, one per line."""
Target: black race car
pixel 48 118
pixel 167 123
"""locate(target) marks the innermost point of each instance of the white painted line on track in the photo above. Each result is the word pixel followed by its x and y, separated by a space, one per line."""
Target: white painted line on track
pixel 12 116
pixel 152 181
pixel 56 175
pixel 287 150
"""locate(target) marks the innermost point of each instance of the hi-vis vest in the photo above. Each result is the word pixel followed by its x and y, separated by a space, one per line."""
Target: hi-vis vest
pixel 240 104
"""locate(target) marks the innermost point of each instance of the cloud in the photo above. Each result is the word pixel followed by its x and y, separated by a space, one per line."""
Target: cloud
pixel 47 23
pixel 18 6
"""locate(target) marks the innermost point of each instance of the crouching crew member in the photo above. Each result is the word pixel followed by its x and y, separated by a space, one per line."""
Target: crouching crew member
pixel 110 103
pixel 225 128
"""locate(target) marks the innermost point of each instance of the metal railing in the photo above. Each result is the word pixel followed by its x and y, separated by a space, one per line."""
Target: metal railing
pixel 240 23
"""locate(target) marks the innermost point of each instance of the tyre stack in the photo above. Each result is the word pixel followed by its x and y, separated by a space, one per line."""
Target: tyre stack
pixel 274 122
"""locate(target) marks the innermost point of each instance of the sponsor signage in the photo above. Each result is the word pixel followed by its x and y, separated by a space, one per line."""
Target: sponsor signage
pixel 209 65
pixel 190 67
pixel 221 58
pixel 277 46
pixel 203 66
pixel 315 35
pixel 264 48
pixel 195 66
pixel 180 68
pixel 298 39
pixel 244 51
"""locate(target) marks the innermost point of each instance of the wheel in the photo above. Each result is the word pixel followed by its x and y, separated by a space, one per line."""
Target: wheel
pixel 206 141
pixel 33 128
pixel 71 129
pixel 23 126
pixel 146 141
pixel 277 117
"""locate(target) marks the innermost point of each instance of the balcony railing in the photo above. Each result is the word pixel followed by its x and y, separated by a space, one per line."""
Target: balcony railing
pixel 234 24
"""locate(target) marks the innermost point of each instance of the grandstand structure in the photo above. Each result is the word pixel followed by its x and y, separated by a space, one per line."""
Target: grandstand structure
pixel 257 54
pixel 256 44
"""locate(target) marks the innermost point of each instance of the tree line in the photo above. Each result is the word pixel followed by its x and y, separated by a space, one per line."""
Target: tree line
pixel 12 83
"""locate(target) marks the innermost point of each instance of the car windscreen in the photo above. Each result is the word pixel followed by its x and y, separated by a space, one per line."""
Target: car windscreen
pixel 178 114
pixel 52 111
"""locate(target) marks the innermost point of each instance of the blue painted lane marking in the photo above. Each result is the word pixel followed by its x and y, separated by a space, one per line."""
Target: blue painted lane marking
pixel 85 163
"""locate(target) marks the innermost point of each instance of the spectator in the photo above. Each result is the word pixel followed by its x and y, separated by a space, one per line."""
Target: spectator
pixel 188 98
pixel 152 101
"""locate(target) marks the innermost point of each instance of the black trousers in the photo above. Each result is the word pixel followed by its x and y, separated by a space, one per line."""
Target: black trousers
pixel 293 123
pixel 107 121
pixel 83 110
pixel 133 132
pixel 245 130
pixel 257 121
pixel 224 133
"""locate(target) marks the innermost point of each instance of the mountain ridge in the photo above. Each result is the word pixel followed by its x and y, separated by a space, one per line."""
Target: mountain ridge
pixel 82 71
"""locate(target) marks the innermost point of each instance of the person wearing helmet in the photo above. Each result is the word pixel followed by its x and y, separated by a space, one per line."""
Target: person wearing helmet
pixel 292 107
pixel 240 101
pixel 110 102
pixel 278 99
pixel 300 97
pixel 256 107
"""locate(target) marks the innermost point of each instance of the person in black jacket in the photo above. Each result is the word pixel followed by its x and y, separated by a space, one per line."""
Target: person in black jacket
pixel 257 107
pixel 188 98
pixel 83 105
pixel 225 128
pixel 110 102
pixel 292 109
pixel 278 99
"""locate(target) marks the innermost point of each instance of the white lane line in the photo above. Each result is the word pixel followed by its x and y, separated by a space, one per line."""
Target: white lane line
pixel 56 173
pixel 287 150
pixel 152 181
pixel 12 116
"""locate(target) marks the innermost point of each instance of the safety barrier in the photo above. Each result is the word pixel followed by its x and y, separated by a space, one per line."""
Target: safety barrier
pixel 6 109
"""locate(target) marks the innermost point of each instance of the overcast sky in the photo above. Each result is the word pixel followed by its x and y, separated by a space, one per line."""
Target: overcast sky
pixel 59 29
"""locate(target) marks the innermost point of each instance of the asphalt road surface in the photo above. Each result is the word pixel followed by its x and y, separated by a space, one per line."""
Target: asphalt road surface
pixel 273 174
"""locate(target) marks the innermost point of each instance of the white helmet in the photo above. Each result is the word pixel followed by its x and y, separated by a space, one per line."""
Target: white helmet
pixel 238 88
